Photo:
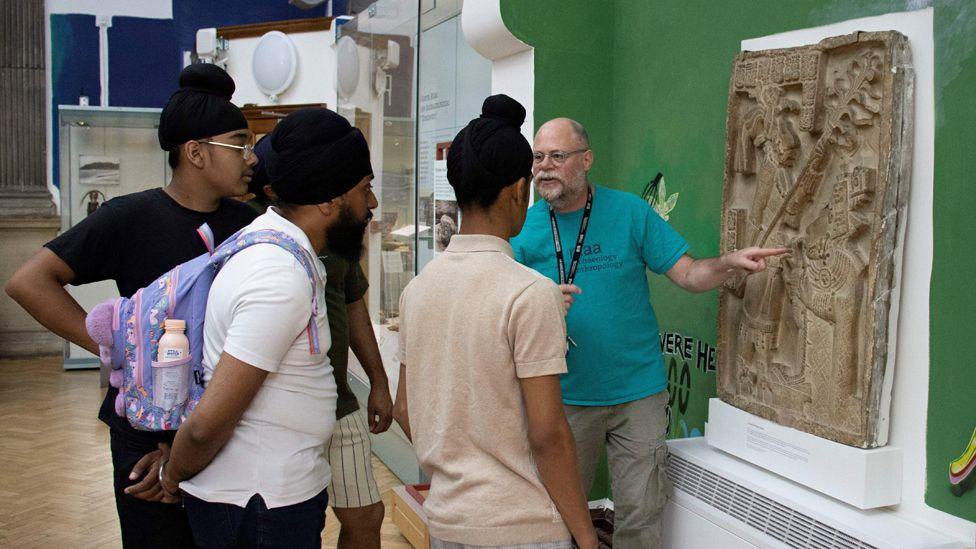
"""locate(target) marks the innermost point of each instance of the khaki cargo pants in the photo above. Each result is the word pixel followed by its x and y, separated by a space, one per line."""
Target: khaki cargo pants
pixel 633 434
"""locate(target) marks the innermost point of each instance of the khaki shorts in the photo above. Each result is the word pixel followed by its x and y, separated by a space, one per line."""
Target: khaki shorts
pixel 633 434
pixel 350 455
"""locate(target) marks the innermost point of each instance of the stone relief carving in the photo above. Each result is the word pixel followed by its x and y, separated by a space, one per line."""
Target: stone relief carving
pixel 818 152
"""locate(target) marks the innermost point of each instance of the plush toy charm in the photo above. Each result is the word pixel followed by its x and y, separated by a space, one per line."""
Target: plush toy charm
pixel 99 326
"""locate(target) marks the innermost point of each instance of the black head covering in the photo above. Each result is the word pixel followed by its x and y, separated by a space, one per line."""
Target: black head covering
pixel 200 108
pixel 315 156
pixel 490 152
pixel 260 176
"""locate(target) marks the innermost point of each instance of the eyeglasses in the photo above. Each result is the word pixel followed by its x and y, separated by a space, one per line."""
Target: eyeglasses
pixel 557 157
pixel 246 150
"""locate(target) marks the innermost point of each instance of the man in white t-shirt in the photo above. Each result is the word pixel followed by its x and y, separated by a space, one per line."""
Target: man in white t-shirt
pixel 250 460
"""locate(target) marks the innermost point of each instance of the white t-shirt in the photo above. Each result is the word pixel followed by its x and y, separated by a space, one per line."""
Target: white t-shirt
pixel 258 312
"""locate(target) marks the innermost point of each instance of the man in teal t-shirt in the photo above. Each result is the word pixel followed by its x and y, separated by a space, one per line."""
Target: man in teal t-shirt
pixel 612 323
pixel 615 391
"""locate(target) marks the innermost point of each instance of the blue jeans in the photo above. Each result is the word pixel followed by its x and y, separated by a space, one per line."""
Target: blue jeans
pixel 223 525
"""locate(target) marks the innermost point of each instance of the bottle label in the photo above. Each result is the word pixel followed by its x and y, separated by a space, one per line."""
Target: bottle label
pixel 170 383
pixel 171 354
pixel 169 387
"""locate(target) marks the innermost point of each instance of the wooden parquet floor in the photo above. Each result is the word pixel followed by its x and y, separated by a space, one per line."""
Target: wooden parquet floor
pixel 55 467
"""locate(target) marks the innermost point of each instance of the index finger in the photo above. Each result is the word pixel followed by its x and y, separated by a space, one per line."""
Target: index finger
pixel 570 289
pixel 768 252
pixel 144 463
pixel 148 482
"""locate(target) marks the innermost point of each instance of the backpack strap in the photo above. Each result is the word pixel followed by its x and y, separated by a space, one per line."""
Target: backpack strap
pixel 208 237
pixel 240 241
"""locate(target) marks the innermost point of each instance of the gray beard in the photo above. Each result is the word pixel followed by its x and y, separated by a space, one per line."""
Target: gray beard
pixel 567 197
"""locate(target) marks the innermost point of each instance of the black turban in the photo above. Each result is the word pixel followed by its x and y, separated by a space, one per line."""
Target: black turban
pixel 491 152
pixel 200 108
pixel 260 176
pixel 315 156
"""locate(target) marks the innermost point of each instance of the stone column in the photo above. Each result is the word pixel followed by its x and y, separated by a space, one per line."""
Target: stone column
pixel 28 217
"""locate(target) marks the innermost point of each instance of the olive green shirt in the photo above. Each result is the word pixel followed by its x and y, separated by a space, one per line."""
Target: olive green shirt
pixel 346 283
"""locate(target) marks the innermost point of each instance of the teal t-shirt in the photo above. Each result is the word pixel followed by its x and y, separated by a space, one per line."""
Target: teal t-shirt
pixel 618 354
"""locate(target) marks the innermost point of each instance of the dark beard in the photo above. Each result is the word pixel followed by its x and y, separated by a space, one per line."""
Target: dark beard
pixel 345 238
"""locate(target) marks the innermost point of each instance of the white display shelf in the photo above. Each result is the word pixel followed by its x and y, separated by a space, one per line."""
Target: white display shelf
pixel 864 478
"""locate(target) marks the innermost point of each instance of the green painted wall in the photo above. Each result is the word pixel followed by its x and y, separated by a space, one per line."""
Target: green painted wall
pixel 649 79
pixel 581 50
pixel 952 382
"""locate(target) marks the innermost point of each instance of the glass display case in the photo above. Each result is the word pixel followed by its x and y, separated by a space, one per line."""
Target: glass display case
pixel 104 152
pixel 409 80
pixel 376 57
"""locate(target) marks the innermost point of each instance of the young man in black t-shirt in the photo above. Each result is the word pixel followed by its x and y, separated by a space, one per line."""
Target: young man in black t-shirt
pixel 133 239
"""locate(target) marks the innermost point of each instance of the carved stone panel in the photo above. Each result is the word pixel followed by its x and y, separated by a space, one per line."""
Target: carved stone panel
pixel 818 153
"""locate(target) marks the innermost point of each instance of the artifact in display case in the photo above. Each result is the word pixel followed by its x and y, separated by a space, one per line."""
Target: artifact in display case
pixel 108 152
pixel 818 160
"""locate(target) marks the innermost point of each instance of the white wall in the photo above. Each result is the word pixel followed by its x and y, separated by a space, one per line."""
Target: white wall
pixel 315 79
pixel 911 370
pixel 515 76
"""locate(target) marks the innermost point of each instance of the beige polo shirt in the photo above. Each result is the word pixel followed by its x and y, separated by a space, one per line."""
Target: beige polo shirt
pixel 471 324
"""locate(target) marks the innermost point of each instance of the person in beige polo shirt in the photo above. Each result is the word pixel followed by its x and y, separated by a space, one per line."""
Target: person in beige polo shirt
pixel 482 345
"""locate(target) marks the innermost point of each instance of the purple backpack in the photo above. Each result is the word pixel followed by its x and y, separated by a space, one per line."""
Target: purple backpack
pixel 127 330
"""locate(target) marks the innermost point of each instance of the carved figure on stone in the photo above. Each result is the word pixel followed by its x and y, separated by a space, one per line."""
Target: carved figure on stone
pixel 817 155
pixel 826 278
pixel 767 133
